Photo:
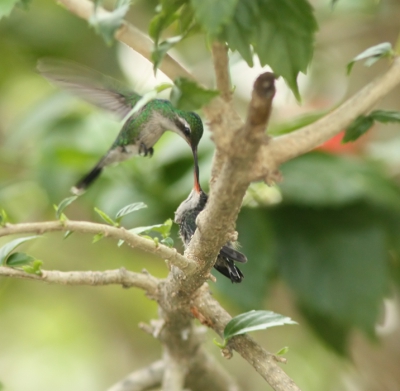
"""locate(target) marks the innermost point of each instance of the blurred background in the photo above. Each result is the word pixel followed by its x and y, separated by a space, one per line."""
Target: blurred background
pixel 323 245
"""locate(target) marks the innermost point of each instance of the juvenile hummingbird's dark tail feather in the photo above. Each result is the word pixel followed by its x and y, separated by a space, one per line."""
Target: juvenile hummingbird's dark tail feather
pixel 227 267
pixel 87 180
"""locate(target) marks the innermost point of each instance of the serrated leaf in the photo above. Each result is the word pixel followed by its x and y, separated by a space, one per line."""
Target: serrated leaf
pixel 188 95
pixel 359 127
pixel 161 21
pixel 11 246
pixel 254 320
pixel 19 259
pixel 97 237
pixel 385 116
pixel 107 24
pixel 106 217
pixel 6 6
pixel 63 204
pixel 212 15
pixel 35 268
pixel 130 209
pixel 372 55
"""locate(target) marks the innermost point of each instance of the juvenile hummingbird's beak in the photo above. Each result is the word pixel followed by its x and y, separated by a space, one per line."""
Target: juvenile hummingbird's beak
pixel 197 186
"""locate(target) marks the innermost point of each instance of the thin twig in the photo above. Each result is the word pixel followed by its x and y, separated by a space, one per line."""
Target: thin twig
pixel 130 238
pixel 120 276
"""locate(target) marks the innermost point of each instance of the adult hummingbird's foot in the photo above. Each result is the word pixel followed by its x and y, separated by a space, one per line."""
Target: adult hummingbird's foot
pixel 143 150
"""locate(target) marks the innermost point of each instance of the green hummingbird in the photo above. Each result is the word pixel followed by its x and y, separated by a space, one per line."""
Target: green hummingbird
pixel 140 131
pixel 186 215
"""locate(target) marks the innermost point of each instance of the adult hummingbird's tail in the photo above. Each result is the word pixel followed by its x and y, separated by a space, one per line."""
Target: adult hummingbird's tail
pixel 87 180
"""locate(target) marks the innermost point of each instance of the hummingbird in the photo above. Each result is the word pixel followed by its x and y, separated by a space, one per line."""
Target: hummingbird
pixel 140 131
pixel 186 215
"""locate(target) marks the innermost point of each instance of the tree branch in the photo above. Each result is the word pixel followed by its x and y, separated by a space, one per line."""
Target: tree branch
pixel 133 240
pixel 108 277
pixel 143 379
pixel 210 313
pixel 288 146
pixel 129 35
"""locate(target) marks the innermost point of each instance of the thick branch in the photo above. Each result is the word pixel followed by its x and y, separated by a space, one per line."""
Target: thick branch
pixel 210 313
pixel 108 277
pixel 288 146
pixel 133 240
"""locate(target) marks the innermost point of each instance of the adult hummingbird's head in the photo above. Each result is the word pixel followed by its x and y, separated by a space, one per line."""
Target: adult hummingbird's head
pixel 191 128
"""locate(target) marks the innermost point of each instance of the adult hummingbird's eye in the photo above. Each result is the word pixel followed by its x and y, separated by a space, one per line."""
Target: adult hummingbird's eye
pixel 186 130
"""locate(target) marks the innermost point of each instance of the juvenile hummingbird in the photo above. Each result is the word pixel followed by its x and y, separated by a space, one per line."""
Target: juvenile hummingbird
pixel 186 215
pixel 140 131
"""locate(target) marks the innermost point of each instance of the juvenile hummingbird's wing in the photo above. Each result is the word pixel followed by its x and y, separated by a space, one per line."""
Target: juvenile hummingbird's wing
pixel 226 267
pixel 96 88
pixel 234 255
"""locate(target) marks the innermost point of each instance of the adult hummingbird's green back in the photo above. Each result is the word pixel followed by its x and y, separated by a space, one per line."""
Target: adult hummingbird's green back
pixel 140 131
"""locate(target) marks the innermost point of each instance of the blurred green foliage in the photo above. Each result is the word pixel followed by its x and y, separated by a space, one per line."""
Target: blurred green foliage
pixel 330 231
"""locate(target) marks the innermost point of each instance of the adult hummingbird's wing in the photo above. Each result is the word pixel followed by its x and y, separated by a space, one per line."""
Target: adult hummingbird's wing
pixel 96 88
pixel 233 254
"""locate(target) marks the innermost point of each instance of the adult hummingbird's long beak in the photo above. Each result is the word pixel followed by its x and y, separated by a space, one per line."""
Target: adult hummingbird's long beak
pixel 197 186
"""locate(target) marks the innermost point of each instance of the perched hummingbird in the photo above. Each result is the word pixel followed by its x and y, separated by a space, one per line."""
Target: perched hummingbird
pixel 140 131
pixel 186 215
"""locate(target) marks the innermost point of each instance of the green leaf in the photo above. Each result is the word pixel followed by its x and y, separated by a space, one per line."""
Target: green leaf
pixel 282 351
pixel 357 128
pixel 281 33
pixel 212 15
pixel 63 204
pixel 35 268
pixel 254 320
pixel 188 95
pixel 11 246
pixel 163 229
pixel 168 242
pixel 68 234
pixel 372 55
pixel 3 218
pixel 385 116
pixel 335 262
pixel 19 259
pixel 106 217
pixel 129 209
pixel 161 50
pixel 107 24
pixel 97 237
pixel 161 21
pixel 6 6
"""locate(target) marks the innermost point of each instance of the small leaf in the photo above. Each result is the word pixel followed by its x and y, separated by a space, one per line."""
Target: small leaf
pixel 63 204
pixel 68 234
pixel 163 229
pixel 385 116
pixel 254 320
pixel 161 50
pixel 168 242
pixel 3 218
pixel 34 269
pixel 188 95
pixel 106 217
pixel 107 24
pixel 282 351
pixel 359 127
pixel 372 55
pixel 9 247
pixel 129 209
pixel 120 242
pixel 97 237
pixel 19 259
